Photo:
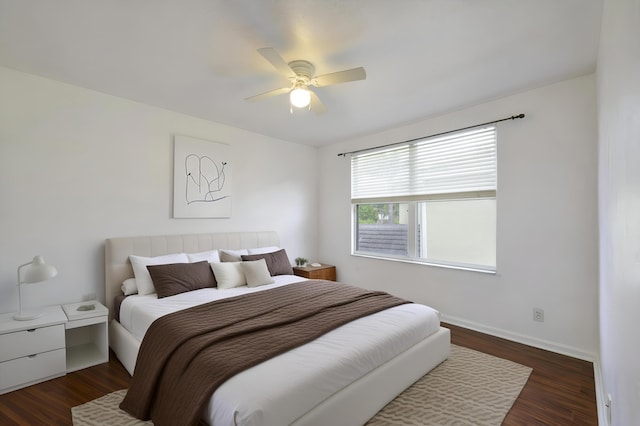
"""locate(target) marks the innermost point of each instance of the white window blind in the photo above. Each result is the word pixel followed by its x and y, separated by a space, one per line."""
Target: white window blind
pixel 455 163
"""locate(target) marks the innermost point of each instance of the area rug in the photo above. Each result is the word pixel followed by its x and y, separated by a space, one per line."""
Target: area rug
pixel 469 388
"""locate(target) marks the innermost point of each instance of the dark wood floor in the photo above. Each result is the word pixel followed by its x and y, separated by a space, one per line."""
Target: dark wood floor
pixel 560 391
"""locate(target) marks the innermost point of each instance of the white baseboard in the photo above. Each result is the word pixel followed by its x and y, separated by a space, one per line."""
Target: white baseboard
pixel 521 338
pixel 601 395
pixel 549 346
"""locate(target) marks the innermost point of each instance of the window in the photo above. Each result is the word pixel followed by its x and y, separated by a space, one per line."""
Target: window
pixel 431 200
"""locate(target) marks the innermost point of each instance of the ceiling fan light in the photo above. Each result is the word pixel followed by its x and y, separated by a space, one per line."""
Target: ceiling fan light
pixel 300 97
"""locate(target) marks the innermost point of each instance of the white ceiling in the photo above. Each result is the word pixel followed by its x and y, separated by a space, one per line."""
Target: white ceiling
pixel 198 57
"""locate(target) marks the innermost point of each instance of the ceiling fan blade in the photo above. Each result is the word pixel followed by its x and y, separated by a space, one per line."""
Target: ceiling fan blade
pixel 268 94
pixel 316 104
pixel 274 58
pixel 353 74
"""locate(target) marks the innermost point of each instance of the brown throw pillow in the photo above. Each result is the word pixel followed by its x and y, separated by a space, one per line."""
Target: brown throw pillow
pixel 277 262
pixel 177 278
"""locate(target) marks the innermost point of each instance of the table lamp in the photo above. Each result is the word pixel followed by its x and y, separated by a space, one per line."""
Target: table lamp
pixel 35 272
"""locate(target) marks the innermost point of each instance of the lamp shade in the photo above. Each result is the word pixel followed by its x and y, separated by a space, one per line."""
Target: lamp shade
pixel 300 97
pixel 37 271
pixel 32 272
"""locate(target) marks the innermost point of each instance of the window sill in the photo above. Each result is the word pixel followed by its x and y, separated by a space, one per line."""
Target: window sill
pixel 470 268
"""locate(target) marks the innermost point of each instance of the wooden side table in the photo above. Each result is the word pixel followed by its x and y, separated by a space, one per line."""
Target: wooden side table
pixel 322 272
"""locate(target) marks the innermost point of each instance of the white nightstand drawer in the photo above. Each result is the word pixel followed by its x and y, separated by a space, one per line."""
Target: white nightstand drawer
pixel 28 342
pixel 27 370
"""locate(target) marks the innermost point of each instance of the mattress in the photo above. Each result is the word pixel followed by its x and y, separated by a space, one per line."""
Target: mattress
pixel 281 390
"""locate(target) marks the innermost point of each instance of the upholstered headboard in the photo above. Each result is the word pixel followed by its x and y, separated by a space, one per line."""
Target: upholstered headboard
pixel 117 251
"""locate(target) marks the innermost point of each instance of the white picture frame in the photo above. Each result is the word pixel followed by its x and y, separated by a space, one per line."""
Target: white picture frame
pixel 201 178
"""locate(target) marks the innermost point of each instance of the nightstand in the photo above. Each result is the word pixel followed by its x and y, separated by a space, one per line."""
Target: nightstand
pixel 31 351
pixel 322 272
pixel 86 335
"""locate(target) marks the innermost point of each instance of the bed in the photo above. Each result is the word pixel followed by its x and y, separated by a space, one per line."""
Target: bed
pixel 284 389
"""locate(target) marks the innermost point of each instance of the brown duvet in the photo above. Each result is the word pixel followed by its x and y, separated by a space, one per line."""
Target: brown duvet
pixel 187 355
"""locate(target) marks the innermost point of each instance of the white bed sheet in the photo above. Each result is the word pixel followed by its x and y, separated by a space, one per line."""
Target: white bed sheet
pixel 282 389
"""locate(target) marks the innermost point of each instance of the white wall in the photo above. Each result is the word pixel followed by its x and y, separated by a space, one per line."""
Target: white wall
pixel 619 157
pixel 547 247
pixel 78 166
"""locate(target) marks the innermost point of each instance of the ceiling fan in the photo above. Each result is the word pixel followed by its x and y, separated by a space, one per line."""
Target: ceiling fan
pixel 301 75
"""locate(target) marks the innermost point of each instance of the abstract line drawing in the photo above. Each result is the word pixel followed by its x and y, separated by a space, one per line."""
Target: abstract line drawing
pixel 201 178
pixel 205 179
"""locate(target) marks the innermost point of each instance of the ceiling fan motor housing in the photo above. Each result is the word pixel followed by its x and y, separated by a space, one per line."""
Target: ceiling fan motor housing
pixel 304 70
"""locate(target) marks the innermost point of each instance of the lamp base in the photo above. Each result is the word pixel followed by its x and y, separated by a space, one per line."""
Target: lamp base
pixel 27 315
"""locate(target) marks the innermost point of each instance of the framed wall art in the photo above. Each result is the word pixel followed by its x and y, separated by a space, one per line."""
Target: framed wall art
pixel 201 178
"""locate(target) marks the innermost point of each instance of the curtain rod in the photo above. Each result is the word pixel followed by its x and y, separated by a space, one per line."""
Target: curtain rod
pixel 513 117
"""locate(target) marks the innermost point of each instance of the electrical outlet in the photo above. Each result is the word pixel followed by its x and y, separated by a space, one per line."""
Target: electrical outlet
pixel 538 314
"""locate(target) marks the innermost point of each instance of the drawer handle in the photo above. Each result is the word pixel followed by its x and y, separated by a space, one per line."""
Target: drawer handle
pixel 31 330
pixel 32 356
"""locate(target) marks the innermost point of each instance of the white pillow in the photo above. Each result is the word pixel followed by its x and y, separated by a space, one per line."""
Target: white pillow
pixel 229 274
pixel 143 279
pixel 263 250
pixel 256 273
pixel 233 255
pixel 209 256
pixel 129 287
